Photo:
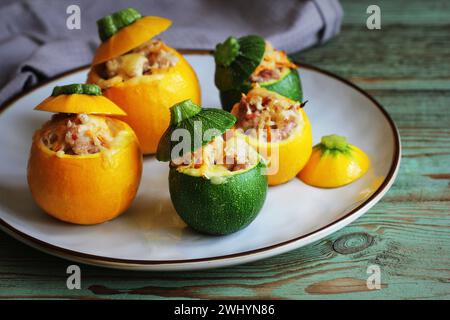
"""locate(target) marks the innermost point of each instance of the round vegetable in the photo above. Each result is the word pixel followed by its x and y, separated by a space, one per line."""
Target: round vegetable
pixel 143 78
pixel 334 163
pixel 209 196
pixel 222 208
pixel 84 169
pixel 85 189
pixel 285 157
pixel 237 61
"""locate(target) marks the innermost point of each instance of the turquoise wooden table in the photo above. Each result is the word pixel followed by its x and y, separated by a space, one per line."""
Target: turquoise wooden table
pixel 406 66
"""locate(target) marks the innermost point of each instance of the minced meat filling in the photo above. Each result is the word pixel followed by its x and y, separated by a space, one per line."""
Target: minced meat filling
pixel 157 55
pixel 272 66
pixel 267 117
pixel 144 60
pixel 225 153
pixel 77 134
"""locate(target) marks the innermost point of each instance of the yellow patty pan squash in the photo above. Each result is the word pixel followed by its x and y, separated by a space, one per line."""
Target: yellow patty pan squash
pixel 334 163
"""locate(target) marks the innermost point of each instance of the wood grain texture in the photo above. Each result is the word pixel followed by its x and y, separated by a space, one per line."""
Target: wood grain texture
pixel 406 67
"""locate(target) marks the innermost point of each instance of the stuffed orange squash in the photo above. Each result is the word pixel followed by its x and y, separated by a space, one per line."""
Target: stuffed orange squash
pixel 142 75
pixel 84 167
pixel 280 130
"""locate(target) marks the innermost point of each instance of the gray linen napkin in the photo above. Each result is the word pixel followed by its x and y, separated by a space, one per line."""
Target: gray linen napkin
pixel 36 44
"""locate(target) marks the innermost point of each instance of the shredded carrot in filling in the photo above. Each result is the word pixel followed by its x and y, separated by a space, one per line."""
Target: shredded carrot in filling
pixel 266 116
pixel 149 58
pixel 273 64
pixel 77 134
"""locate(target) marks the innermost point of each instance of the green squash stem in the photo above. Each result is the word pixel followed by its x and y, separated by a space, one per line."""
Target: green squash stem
pixel 182 111
pixel 226 52
pixel 334 144
pixel 111 24
pixel 77 88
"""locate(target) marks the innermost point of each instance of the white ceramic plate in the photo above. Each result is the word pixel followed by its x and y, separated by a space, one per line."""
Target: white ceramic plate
pixel 150 235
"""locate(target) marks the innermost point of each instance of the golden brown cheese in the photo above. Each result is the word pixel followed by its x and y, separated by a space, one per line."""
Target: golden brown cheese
pixel 151 57
pixel 219 158
pixel 77 134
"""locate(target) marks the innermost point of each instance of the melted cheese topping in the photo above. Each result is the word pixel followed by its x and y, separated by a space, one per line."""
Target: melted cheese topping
pixel 268 116
pixel 127 66
pixel 149 58
pixel 79 134
pixel 218 159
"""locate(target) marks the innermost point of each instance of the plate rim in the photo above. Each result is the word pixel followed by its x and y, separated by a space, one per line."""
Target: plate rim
pixel 107 261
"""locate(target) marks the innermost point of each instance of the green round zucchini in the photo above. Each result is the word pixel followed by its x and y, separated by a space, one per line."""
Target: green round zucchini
pixel 218 208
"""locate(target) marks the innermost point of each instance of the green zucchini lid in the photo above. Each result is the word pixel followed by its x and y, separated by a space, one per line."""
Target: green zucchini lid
pixel 236 59
pixel 196 120
pixel 111 24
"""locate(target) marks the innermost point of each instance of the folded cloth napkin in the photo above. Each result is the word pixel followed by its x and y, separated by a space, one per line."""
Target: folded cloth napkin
pixel 35 42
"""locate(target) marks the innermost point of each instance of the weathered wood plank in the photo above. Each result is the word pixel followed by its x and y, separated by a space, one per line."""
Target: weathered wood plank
pixel 417 109
pixel 396 57
pixel 409 241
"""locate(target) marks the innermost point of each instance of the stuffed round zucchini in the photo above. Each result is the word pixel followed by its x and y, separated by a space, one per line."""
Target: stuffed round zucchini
pixel 216 181
pixel 84 167
pixel 143 75
pixel 278 128
pixel 240 63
